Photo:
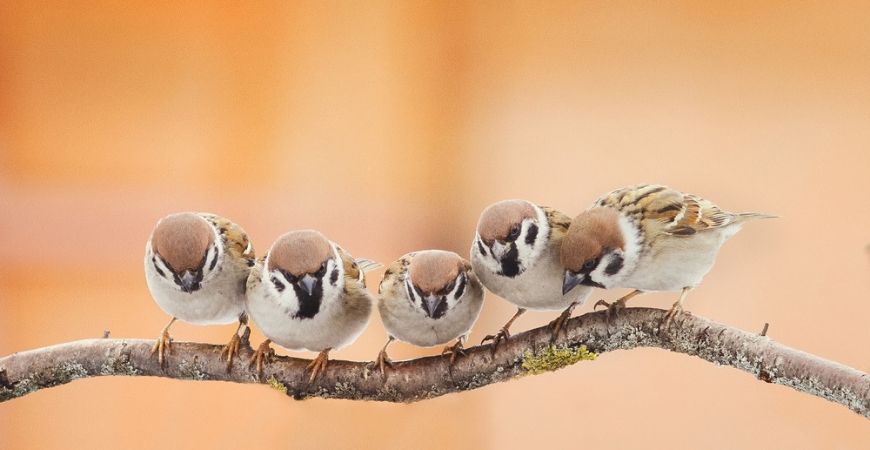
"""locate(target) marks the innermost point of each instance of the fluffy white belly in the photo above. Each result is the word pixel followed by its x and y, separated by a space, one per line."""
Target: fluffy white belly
pixel 220 300
pixel 331 327
pixel 676 262
pixel 411 325
pixel 538 288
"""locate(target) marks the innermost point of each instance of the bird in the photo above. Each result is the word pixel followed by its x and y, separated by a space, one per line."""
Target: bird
pixel 307 293
pixel 196 267
pixel 516 255
pixel 429 298
pixel 647 237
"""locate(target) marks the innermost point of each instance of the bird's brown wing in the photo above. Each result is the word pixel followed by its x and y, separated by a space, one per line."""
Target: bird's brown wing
pixel 395 273
pixel 558 221
pixel 235 238
pixel 672 211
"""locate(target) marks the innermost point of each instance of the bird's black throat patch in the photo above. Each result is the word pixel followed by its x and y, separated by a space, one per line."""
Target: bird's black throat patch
pixel 309 305
pixel 510 264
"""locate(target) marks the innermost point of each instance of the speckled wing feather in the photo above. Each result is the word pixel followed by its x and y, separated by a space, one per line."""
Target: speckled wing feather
pixel 395 273
pixel 355 268
pixel 559 223
pixel 235 238
pixel 670 211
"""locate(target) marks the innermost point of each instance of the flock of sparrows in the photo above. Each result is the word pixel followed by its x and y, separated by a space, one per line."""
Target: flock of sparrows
pixel 309 293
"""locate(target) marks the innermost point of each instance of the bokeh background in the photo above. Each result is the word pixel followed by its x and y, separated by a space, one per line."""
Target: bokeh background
pixel 389 126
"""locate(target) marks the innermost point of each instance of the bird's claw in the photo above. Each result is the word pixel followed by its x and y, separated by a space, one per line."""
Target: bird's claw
pixel 318 365
pixel 455 350
pixel 231 350
pixel 502 335
pixel 674 312
pixel 382 363
pixel 558 323
pixel 612 310
pixel 162 347
pixel 262 356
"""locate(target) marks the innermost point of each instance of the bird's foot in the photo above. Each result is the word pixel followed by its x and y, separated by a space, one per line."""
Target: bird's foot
pixel 231 350
pixel 558 323
pixel 162 347
pixel 503 335
pixel 262 356
pixel 674 312
pixel 318 365
pixel 455 350
pixel 383 362
pixel 613 309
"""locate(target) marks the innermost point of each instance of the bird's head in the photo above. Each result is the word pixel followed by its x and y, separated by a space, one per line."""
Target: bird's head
pixel 593 250
pixel 511 236
pixel 303 270
pixel 436 281
pixel 184 250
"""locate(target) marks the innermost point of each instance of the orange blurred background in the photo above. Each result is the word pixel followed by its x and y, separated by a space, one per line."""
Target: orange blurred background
pixel 389 126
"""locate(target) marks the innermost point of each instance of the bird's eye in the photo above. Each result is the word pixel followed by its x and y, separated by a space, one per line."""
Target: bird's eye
pixel 589 265
pixel 514 234
pixel 447 288
pixel 322 270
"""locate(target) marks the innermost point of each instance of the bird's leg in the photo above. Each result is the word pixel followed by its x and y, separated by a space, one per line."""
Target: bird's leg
pixel 504 333
pixel 163 346
pixel 384 360
pixel 262 356
pixel 677 309
pixel 455 349
pixel 232 348
pixel 615 307
pixel 559 322
pixel 318 365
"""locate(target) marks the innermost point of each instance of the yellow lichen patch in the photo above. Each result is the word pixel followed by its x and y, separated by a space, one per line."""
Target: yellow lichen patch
pixel 553 358
pixel 277 385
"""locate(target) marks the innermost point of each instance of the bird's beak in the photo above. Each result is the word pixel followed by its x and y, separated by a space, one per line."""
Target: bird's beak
pixel 432 302
pixel 307 283
pixel 189 282
pixel 571 281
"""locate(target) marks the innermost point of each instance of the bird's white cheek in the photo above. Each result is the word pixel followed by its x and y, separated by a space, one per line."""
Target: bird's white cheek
pixel 488 261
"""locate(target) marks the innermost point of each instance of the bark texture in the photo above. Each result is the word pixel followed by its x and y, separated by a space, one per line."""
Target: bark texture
pixel 527 353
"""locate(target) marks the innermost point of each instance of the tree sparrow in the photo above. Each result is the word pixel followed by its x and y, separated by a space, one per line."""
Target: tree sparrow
pixel 516 255
pixel 428 298
pixel 647 238
pixel 308 293
pixel 196 266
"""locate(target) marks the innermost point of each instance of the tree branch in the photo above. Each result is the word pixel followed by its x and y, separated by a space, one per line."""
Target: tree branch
pixel 527 353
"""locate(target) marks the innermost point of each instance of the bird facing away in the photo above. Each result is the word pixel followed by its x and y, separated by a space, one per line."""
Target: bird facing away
pixel 516 255
pixel 196 266
pixel 647 238
pixel 307 293
pixel 429 298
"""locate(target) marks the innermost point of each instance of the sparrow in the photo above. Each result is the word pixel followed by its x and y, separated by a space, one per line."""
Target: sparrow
pixel 196 267
pixel 647 237
pixel 516 255
pixel 307 293
pixel 429 298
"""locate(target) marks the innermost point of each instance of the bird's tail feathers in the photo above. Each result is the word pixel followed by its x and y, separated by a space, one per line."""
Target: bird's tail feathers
pixel 367 265
pixel 743 217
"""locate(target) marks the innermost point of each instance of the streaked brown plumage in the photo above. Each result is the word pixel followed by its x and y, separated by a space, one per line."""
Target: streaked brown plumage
pixel 649 238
